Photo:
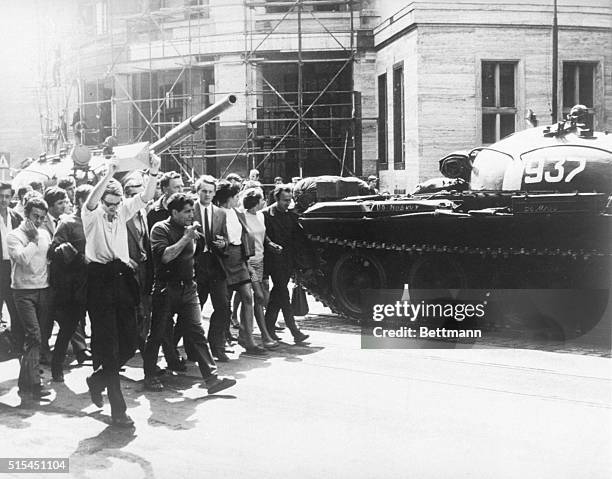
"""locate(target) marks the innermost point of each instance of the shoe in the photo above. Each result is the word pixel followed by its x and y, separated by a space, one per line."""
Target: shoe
pixel 159 371
pixel 153 384
pixel 278 328
pixel 275 337
pixel 230 338
pixel 256 351
pixel 271 344
pixel 179 367
pixel 220 356
pixel 123 421
pixel 57 375
pixel 95 393
pixel 300 337
pixel 219 384
pixel 82 356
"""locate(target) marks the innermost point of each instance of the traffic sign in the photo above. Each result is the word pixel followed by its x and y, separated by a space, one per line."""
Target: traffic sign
pixel 5 172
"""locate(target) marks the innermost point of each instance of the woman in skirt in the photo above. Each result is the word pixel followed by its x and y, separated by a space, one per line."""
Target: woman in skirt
pixel 240 248
pixel 253 202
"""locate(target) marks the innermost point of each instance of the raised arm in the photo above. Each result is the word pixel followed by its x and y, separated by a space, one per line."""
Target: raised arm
pixel 160 245
pixel 149 192
pixel 96 194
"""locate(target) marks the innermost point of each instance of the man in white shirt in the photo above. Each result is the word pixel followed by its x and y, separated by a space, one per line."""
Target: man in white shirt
pixel 112 287
pixel 28 246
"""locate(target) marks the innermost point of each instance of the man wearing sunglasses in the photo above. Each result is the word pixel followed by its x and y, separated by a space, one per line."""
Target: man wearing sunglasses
pixel 113 294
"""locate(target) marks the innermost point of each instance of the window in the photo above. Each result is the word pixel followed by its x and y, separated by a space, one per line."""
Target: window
pixel 327 6
pixel 398 116
pixel 171 96
pixel 498 100
pixel 282 6
pixel 101 17
pixel 578 86
pixel 382 120
pixel 199 8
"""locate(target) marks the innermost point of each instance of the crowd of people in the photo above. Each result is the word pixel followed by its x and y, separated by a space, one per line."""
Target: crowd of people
pixel 140 258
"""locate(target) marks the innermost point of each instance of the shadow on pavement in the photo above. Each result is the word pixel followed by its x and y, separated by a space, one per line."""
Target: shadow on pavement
pixel 95 453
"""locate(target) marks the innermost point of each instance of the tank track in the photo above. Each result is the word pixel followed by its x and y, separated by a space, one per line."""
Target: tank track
pixel 485 252
pixel 377 246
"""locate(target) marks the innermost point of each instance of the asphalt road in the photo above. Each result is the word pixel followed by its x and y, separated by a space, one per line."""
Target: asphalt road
pixel 332 409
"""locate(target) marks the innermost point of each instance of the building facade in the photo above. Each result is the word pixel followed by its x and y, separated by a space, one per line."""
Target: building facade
pixel 302 71
pixel 457 75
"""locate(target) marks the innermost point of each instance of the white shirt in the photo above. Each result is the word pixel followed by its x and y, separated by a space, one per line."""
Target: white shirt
pixel 209 210
pixel 52 222
pixel 234 228
pixel 108 240
pixel 5 227
pixel 257 228
pixel 28 259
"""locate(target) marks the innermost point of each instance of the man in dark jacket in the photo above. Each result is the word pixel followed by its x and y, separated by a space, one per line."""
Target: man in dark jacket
pixel 69 281
pixel 209 270
pixel 170 183
pixel 10 220
pixel 283 229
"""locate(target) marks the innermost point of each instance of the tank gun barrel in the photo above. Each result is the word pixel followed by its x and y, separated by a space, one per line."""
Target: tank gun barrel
pixel 191 125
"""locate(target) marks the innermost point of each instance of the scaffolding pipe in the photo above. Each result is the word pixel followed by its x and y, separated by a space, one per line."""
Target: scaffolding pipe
pixel 300 93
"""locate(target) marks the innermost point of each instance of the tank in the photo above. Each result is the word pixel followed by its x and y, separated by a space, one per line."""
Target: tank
pixel 86 167
pixel 530 213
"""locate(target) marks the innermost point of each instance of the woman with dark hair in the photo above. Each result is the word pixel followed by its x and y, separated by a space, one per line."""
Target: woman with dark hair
pixel 239 249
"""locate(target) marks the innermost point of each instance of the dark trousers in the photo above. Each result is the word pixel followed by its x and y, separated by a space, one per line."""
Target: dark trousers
pixel 112 298
pixel 6 296
pixel 143 315
pixel 56 314
pixel 32 307
pixel 220 319
pixel 180 299
pixel 143 312
pixel 104 379
pixel 70 317
pixel 280 300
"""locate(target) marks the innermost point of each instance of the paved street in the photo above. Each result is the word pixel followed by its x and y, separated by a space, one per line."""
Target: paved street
pixel 331 409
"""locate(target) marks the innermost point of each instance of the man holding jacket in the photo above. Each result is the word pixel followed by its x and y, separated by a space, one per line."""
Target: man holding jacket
pixel 113 294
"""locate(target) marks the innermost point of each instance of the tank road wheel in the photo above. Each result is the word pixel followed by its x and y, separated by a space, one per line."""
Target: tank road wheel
pixel 431 279
pixel 351 274
pixel 437 272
